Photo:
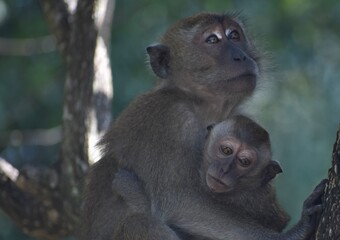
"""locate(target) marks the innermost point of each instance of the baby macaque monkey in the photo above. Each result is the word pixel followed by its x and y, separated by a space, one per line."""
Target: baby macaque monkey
pixel 237 168
pixel 235 175
pixel 238 156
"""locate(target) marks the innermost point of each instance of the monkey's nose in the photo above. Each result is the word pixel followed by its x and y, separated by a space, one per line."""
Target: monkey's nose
pixel 224 169
pixel 238 55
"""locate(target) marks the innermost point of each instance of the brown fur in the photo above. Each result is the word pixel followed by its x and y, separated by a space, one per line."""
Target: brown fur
pixel 160 135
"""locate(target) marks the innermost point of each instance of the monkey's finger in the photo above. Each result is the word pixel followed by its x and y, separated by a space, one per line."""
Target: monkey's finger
pixel 321 186
pixel 322 183
pixel 313 210
pixel 318 191
pixel 315 218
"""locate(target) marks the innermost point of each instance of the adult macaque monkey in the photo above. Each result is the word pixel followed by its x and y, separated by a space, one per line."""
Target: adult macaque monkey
pixel 236 171
pixel 208 67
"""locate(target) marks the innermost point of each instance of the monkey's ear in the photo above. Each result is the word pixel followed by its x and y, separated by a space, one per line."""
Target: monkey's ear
pixel 270 171
pixel 159 56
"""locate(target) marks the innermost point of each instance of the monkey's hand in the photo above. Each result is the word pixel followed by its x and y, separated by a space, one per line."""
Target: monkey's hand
pixel 127 185
pixel 312 208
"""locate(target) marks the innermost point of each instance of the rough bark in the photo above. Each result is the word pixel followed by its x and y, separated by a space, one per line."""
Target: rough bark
pixel 45 202
pixel 32 199
pixel 329 226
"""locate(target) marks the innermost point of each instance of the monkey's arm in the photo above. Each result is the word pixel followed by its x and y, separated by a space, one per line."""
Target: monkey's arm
pixel 139 222
pixel 213 222
pixel 131 189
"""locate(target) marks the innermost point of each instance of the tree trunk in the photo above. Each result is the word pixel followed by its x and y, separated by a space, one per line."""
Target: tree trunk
pixel 45 202
pixel 329 226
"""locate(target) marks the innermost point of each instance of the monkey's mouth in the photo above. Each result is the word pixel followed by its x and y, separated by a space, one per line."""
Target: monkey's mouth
pixel 217 185
pixel 245 76
pixel 217 180
pixel 242 82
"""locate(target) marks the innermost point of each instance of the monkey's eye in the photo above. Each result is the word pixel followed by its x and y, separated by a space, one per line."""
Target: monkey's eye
pixel 234 35
pixel 244 162
pixel 212 39
pixel 226 150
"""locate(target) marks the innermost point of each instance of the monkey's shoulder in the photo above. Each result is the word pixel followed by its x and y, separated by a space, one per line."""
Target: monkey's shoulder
pixel 163 115
pixel 159 107
pixel 169 96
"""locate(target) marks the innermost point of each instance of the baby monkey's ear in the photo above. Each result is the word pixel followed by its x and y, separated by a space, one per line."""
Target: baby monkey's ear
pixel 270 171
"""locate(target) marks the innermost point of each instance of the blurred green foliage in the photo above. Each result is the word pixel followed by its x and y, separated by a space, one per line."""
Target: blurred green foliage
pixel 298 102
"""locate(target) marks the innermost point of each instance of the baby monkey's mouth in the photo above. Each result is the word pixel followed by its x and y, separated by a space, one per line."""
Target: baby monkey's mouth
pixel 218 180
pixel 216 185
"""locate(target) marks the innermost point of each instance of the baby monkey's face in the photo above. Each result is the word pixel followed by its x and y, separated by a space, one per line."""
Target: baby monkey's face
pixel 232 162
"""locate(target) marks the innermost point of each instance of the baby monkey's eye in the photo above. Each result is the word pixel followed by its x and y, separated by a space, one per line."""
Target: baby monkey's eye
pixel 212 39
pixel 226 150
pixel 244 162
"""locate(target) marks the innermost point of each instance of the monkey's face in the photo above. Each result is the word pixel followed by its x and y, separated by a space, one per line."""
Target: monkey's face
pixel 232 161
pixel 208 54
pixel 224 58
pixel 237 156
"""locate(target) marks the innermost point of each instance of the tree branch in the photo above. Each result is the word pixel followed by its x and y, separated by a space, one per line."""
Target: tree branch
pixel 104 19
pixel 77 101
pixel 329 226
pixel 102 84
pixel 58 18
pixel 45 202
pixel 39 209
pixel 88 92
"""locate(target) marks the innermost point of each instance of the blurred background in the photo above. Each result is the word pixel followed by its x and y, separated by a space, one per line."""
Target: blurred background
pixel 298 102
